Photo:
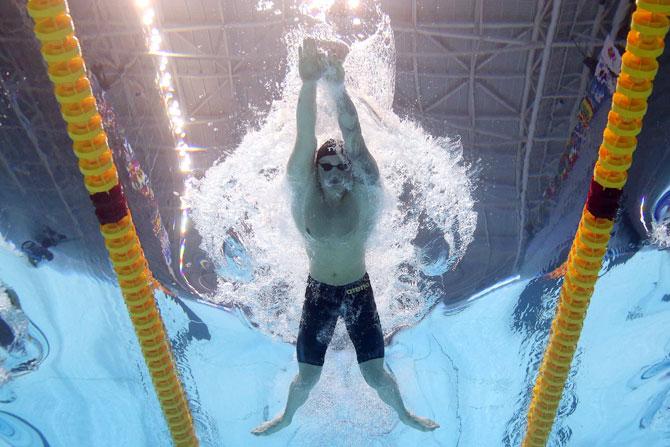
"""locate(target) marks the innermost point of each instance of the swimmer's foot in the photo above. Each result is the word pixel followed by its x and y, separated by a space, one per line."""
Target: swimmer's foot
pixel 419 423
pixel 272 426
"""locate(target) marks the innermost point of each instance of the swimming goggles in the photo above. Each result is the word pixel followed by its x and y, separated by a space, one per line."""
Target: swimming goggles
pixel 327 166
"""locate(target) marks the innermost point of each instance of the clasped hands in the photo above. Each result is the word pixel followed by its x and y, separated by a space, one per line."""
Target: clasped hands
pixel 324 61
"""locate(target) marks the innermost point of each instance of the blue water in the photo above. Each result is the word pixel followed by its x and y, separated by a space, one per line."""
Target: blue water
pixel 468 367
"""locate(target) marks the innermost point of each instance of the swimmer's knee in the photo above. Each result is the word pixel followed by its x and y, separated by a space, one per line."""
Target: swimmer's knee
pixel 306 382
pixel 372 373
pixel 374 379
pixel 308 375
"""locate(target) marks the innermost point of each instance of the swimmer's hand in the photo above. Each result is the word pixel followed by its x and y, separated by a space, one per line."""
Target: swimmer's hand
pixel 335 53
pixel 334 48
pixel 334 71
pixel 310 61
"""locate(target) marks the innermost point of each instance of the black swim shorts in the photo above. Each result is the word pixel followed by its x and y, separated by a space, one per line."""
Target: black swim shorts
pixel 323 305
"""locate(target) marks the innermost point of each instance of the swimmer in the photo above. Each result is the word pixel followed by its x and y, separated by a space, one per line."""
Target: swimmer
pixel 36 253
pixel 334 205
pixel 50 238
pixel 39 251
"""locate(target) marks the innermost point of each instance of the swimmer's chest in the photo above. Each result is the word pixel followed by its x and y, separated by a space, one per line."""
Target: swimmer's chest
pixel 324 222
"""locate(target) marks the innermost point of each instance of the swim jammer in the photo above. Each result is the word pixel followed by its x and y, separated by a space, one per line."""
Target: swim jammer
pixel 323 305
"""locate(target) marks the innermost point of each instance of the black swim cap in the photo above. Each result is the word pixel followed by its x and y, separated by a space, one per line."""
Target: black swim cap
pixel 330 147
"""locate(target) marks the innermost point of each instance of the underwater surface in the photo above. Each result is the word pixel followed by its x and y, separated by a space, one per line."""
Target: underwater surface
pixel 74 374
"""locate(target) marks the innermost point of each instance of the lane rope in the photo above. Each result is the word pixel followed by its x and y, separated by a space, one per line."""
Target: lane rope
pixel 645 43
pixel 67 70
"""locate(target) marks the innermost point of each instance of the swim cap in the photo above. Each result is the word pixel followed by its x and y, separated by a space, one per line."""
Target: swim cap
pixel 330 147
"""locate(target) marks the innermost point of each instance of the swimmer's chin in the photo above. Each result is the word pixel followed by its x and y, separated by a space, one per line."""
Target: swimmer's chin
pixel 338 188
pixel 336 191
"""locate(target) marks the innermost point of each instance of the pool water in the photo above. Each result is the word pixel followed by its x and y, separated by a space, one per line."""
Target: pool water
pixel 470 367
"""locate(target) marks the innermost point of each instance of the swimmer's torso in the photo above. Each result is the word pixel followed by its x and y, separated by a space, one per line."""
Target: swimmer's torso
pixel 335 235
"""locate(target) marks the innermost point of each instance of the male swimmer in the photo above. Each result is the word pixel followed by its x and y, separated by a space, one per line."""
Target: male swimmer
pixel 334 205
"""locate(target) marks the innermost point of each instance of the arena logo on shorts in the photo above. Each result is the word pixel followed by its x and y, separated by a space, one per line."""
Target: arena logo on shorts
pixel 357 288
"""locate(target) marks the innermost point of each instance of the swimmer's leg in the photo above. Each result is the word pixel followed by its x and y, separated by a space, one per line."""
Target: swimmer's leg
pixel 317 324
pixel 365 330
pixel 308 376
pixel 376 376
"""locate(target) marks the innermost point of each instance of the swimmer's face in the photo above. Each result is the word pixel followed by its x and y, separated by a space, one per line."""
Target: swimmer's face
pixel 334 173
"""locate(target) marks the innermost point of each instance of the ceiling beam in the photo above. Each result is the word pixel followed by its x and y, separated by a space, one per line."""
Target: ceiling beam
pixel 205 99
pixel 539 16
pixel 460 35
pixel 448 51
pixel 494 51
pixel 530 62
pixel 189 27
pixel 415 64
pixel 490 76
pixel 480 117
pixel 595 38
pixel 470 25
pixel 620 13
pixel 38 112
pixel 495 25
pixel 504 138
pixel 478 18
pixel 546 53
pixel 445 96
pixel 552 122
pixel 198 55
pixel 224 33
pixel 499 99
pixel 207 119
pixel 426 54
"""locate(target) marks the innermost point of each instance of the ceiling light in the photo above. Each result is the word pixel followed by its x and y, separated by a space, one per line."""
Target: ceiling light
pixel 185 164
pixel 184 223
pixel 148 16
pixel 165 80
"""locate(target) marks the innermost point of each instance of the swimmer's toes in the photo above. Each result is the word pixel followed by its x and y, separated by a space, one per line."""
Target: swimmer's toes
pixel 428 425
pixel 261 430
pixel 269 427
pixel 420 423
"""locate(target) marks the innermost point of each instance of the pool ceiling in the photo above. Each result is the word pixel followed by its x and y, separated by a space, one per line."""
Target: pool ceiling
pixel 505 75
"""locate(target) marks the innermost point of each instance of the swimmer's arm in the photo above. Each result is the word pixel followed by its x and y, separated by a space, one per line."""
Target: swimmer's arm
pixel 301 160
pixel 347 118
